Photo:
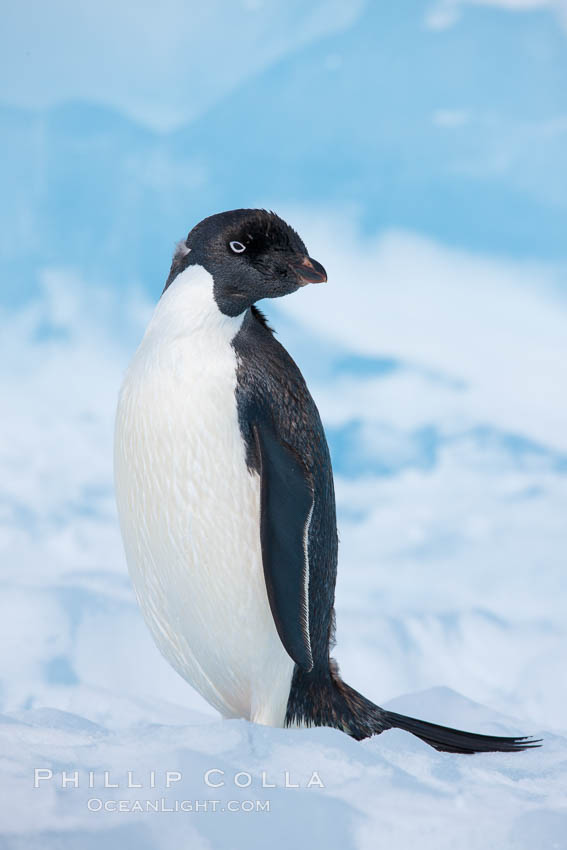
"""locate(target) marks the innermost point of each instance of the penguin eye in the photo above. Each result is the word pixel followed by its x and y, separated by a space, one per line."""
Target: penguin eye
pixel 237 247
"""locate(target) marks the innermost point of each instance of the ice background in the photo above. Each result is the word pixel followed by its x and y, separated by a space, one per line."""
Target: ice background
pixel 421 151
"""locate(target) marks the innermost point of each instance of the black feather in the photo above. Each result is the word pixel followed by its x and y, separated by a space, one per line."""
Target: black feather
pixel 455 741
pixel 261 317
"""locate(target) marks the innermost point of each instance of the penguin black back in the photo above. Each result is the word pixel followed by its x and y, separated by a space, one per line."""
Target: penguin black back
pixel 275 406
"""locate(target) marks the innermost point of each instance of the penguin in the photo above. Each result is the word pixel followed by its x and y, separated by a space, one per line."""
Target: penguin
pixel 225 493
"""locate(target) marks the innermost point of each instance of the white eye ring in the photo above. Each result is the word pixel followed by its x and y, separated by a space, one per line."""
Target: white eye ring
pixel 237 247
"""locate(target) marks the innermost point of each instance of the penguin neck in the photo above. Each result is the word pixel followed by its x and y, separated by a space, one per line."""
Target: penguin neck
pixel 188 307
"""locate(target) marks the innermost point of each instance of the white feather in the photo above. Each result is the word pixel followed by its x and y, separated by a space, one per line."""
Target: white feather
pixel 189 508
pixel 181 249
pixel 305 602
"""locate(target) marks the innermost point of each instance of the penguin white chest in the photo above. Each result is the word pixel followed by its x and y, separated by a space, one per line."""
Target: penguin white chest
pixel 189 508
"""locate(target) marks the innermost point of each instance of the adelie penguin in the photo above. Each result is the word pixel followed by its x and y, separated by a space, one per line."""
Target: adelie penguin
pixel 225 493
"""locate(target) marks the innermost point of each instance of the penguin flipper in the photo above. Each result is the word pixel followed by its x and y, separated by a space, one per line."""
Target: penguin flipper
pixel 286 506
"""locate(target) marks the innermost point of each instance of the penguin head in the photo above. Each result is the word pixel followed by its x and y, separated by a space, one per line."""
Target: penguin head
pixel 250 254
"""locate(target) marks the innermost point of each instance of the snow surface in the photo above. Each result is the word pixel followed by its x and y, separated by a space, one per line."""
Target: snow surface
pixel 440 377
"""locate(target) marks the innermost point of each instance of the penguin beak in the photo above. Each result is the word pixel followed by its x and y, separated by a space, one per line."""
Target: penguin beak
pixel 308 270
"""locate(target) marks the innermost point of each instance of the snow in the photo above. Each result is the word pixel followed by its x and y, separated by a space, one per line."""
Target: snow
pixel 439 381
pixel 386 791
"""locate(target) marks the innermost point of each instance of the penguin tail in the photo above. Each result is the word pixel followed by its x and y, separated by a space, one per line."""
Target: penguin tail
pixel 321 698
pixel 449 740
